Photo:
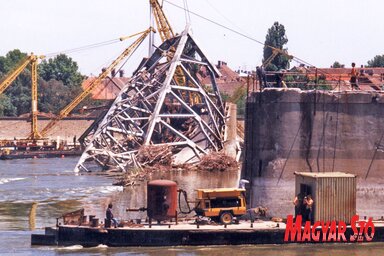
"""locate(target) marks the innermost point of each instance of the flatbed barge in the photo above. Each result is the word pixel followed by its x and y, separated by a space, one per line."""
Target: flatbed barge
pixel 245 232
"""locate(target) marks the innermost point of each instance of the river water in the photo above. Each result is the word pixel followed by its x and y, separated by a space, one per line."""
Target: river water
pixel 34 192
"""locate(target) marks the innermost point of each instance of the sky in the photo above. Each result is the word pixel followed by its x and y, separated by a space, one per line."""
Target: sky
pixel 319 32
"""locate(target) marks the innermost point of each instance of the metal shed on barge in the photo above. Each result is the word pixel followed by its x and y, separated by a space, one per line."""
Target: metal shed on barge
pixel 333 193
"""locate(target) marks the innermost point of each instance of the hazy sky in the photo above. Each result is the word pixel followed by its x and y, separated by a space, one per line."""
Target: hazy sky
pixel 319 32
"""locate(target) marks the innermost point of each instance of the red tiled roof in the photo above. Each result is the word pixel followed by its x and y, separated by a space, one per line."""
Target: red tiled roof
pixel 228 82
pixel 108 89
pixel 369 79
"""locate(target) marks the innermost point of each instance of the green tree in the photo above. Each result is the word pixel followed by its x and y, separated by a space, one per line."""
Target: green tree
pixel 337 64
pixel 16 98
pixel 239 98
pixel 10 60
pixel 6 106
pixel 52 96
pixel 61 68
pixel 62 83
pixel 224 96
pixel 58 84
pixel 376 62
pixel 276 38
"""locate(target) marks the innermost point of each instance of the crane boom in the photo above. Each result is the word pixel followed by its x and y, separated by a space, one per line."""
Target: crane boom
pixel 66 110
pixel 165 30
pixel 163 26
pixel 12 75
pixel 275 52
pixel 35 132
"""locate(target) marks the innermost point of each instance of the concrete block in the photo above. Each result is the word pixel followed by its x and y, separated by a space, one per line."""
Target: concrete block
pixel 379 98
pixel 356 97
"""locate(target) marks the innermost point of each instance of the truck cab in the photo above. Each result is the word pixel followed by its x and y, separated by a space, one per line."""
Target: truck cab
pixel 221 204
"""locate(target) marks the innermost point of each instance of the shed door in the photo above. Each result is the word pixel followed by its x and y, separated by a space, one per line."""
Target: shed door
pixel 305 190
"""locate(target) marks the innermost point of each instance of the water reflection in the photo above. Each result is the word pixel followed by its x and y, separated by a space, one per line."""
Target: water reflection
pixel 136 196
pixel 32 198
pixel 32 216
pixel 244 250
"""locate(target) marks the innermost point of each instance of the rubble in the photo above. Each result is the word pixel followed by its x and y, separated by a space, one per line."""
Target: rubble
pixel 154 155
pixel 158 159
pixel 217 161
pixel 158 106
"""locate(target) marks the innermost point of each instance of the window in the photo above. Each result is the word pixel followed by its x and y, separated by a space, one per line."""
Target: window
pixel 225 202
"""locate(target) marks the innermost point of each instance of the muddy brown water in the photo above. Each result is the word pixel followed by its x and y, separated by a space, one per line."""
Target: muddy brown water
pixel 34 192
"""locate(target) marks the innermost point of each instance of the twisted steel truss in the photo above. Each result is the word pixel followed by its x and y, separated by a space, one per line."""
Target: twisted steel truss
pixel 164 103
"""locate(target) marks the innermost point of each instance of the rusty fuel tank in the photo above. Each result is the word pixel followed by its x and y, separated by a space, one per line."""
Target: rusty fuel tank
pixel 161 199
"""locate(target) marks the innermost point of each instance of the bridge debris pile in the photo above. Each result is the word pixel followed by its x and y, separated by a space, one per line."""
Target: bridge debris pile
pixel 154 156
pixel 217 161
pixel 164 103
pixel 157 159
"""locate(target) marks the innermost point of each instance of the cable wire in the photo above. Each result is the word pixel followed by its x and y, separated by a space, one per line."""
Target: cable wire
pixel 297 59
pixel 230 21
pixel 216 23
pixel 82 48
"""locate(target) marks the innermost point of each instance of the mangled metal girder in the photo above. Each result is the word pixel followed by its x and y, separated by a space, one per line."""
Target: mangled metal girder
pixel 165 103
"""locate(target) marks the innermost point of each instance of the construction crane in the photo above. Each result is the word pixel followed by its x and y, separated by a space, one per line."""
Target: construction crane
pixel 66 110
pixel 163 26
pixel 13 74
pixel 166 32
pixel 275 52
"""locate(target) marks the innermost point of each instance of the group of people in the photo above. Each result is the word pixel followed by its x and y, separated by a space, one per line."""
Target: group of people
pixel 261 75
pixel 304 207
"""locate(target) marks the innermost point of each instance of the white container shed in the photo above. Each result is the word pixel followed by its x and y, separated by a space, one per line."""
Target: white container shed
pixel 334 194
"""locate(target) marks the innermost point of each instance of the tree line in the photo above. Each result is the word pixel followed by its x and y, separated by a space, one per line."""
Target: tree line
pixel 59 82
pixel 376 62
pixel 59 79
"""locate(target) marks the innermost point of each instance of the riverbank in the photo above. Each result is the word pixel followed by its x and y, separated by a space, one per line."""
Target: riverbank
pixel 65 130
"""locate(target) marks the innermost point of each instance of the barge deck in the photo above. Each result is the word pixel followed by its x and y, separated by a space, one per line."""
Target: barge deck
pixel 259 232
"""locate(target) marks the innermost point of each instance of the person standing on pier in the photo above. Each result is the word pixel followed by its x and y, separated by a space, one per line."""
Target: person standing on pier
pixel 109 216
pixel 308 202
pixel 260 71
pixel 353 79
pixel 242 183
pixel 297 202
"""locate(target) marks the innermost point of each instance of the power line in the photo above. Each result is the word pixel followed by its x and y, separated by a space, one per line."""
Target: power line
pixel 227 19
pixel 216 23
pixel 235 31
pixel 85 47
pixel 297 59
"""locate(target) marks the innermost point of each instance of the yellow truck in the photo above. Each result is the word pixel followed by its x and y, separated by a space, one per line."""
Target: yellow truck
pixel 221 204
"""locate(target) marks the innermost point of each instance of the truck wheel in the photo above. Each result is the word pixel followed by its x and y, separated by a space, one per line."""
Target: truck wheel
pixel 226 218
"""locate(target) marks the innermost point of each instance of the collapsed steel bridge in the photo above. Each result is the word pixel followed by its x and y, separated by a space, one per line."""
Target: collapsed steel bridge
pixel 164 103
